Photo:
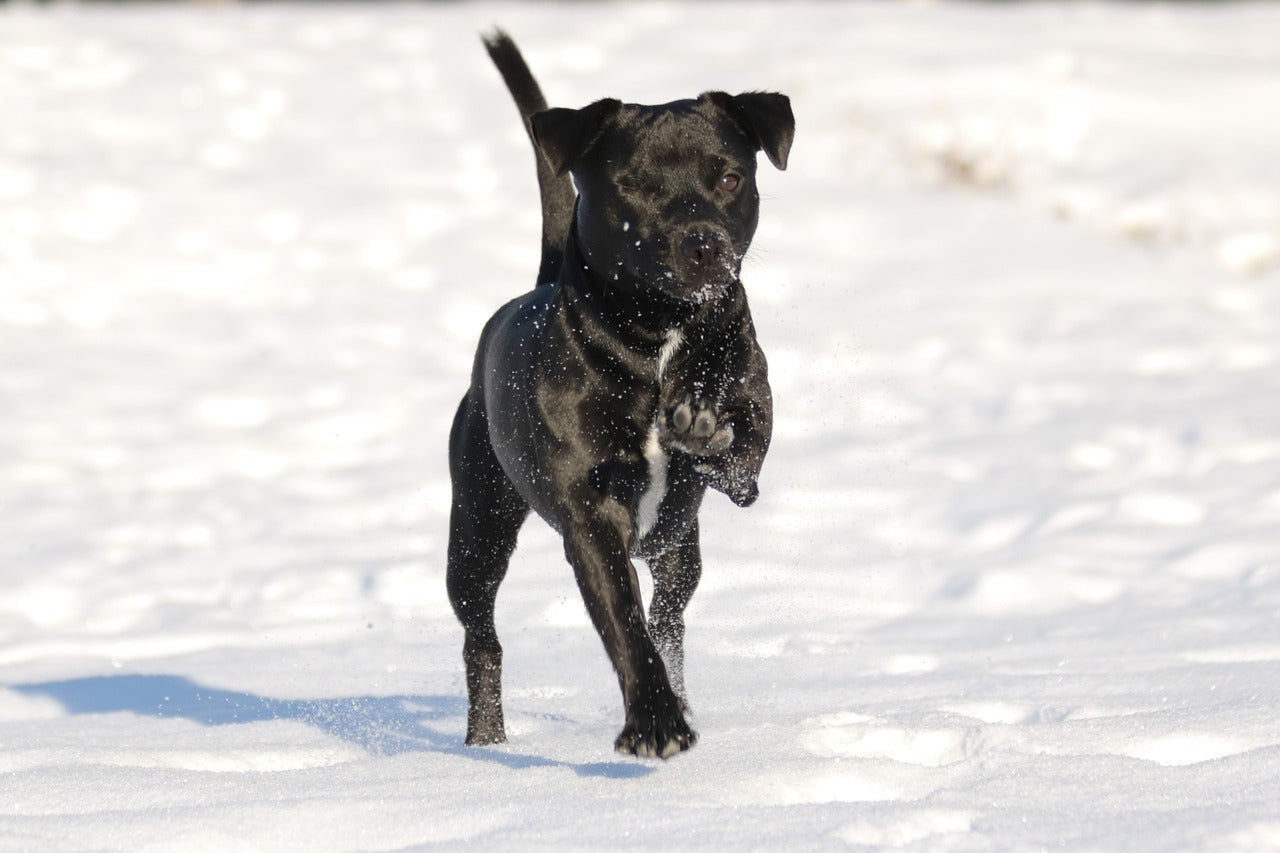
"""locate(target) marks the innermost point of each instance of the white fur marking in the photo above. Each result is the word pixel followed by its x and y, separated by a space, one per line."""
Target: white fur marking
pixel 669 347
pixel 651 500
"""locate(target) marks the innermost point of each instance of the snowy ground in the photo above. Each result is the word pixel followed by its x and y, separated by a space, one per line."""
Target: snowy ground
pixel 1014 578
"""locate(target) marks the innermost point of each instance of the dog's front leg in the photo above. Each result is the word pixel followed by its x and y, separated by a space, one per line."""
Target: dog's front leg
pixel 725 424
pixel 655 725
pixel 676 572
pixel 715 404
pixel 727 441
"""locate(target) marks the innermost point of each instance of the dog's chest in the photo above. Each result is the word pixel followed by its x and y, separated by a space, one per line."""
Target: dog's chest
pixel 657 459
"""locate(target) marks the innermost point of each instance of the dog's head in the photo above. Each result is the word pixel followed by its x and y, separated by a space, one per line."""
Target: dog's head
pixel 667 194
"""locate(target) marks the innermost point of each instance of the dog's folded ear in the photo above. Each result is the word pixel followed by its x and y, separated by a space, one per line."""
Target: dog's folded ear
pixel 767 119
pixel 564 135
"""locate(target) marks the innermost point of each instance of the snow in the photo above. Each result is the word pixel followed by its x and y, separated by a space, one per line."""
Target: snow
pixel 1014 576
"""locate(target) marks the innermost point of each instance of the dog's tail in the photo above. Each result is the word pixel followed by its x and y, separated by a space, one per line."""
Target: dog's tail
pixel 557 190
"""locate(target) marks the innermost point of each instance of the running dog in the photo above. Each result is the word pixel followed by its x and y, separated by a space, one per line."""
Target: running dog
pixel 628 381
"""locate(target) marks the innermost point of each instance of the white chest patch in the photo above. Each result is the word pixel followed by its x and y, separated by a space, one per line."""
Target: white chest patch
pixel 651 500
pixel 654 455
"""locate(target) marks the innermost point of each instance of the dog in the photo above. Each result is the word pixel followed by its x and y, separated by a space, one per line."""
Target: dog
pixel 628 381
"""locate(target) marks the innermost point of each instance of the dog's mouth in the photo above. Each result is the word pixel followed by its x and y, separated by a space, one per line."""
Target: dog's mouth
pixel 702 293
pixel 697 289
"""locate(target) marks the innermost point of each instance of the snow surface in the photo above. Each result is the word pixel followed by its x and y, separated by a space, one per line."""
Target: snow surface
pixel 1014 577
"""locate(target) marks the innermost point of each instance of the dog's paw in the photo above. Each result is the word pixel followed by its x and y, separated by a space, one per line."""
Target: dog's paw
pixel 486 738
pixel 739 485
pixel 656 729
pixel 693 427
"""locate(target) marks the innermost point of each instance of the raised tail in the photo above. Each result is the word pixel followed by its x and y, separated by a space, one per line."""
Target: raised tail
pixel 557 190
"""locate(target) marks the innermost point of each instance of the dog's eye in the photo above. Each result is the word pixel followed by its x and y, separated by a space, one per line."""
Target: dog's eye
pixel 730 181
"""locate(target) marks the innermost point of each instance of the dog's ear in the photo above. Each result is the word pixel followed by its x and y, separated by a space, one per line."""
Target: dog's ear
pixel 767 119
pixel 563 135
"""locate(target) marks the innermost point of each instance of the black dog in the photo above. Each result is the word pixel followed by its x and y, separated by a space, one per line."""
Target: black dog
pixel 611 396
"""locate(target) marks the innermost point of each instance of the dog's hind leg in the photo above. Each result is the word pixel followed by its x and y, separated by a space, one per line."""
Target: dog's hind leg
pixel 675 576
pixel 484 521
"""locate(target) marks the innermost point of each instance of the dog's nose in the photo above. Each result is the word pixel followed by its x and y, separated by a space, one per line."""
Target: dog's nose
pixel 706 250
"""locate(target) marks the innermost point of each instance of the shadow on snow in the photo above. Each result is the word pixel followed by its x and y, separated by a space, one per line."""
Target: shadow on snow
pixel 380 725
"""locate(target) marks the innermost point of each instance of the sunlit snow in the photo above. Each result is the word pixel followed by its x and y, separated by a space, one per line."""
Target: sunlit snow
pixel 1013 580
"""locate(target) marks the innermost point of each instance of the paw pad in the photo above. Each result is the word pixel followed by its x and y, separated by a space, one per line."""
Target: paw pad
pixel 693 426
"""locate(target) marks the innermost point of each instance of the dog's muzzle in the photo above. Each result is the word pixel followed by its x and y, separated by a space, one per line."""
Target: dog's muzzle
pixel 705 256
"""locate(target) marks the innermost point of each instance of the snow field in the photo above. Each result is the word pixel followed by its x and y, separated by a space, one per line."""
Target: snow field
pixel 1012 581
